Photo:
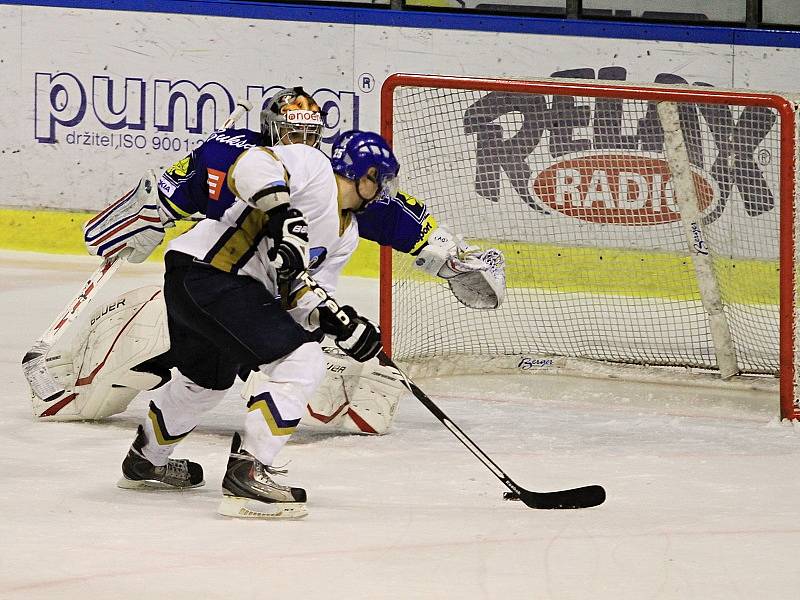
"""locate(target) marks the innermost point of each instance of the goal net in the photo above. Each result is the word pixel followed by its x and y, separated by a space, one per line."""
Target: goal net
pixel 648 225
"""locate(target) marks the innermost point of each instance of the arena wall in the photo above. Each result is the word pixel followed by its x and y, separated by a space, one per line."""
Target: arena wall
pixel 96 92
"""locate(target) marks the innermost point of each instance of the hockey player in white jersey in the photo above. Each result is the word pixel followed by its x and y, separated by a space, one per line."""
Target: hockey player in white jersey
pixel 354 397
pixel 223 285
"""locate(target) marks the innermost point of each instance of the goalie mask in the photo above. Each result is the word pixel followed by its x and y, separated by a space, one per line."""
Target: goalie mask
pixel 355 153
pixel 292 116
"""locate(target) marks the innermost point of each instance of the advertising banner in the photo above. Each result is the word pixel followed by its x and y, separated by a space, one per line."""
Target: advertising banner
pixel 92 98
pixel 569 168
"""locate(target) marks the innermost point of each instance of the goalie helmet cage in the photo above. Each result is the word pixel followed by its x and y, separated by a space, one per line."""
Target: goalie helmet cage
pixel 642 225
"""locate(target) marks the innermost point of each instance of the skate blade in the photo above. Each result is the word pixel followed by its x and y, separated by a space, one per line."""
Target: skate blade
pixel 247 508
pixel 153 485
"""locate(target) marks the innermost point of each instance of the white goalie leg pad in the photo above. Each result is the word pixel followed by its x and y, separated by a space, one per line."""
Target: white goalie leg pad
pixel 60 364
pixel 328 406
pixel 355 397
pixel 97 370
pixel 135 221
pixel 479 280
pixel 373 404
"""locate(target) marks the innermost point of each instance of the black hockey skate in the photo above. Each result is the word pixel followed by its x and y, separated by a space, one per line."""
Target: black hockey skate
pixel 250 493
pixel 139 473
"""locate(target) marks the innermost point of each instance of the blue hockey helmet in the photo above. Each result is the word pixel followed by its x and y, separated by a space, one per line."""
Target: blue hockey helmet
pixel 353 154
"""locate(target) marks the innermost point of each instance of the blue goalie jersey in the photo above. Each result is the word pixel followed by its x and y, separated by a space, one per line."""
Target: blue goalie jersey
pixel 197 184
pixel 402 222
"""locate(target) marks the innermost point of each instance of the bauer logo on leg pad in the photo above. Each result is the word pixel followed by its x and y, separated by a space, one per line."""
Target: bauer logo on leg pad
pixel 327 407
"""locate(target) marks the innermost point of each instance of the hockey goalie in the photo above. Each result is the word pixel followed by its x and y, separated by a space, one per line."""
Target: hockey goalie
pixel 124 344
pixel 124 347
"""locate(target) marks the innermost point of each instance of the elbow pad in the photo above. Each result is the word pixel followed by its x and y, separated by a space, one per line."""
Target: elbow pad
pixel 271 198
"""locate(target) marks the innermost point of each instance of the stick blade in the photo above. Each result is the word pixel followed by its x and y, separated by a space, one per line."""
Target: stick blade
pixel 582 497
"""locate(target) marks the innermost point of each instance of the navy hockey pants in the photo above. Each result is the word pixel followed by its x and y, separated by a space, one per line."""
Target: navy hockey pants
pixel 220 323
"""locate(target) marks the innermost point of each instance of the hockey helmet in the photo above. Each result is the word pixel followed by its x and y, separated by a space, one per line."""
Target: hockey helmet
pixel 292 116
pixel 355 152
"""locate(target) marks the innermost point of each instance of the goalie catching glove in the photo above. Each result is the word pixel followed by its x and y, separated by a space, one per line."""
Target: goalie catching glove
pixel 135 221
pixel 476 278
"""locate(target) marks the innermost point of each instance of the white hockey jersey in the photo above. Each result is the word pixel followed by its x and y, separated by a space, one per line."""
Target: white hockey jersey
pixel 236 243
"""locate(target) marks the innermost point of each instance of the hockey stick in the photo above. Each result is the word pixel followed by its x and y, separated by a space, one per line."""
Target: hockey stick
pixel 42 383
pixel 582 497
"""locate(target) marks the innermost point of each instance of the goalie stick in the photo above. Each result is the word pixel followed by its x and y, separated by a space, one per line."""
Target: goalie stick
pixel 242 106
pixel 582 497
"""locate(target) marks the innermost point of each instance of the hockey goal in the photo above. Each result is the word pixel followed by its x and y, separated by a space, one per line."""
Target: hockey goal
pixel 646 225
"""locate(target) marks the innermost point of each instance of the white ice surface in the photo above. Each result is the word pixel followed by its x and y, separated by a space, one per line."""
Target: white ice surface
pixel 702 503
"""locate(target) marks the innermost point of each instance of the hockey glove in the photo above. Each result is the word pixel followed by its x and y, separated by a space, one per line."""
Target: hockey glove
pixel 288 230
pixel 476 278
pixel 358 337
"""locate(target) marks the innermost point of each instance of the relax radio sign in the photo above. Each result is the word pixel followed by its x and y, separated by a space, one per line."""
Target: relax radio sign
pixel 601 160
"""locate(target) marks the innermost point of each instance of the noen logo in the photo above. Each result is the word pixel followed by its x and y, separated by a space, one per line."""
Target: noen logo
pixel 304 117
pixel 624 189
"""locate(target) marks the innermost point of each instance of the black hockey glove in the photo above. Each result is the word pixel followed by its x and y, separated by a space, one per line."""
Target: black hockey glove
pixel 288 230
pixel 358 337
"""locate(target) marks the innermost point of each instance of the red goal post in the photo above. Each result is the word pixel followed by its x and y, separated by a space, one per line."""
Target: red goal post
pixel 627 241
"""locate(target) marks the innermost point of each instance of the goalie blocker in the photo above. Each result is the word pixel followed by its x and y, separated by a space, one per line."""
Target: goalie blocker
pixel 102 371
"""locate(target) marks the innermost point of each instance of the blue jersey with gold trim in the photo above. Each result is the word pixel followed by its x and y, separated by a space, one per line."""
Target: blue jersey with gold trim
pixel 198 184
pixel 400 221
